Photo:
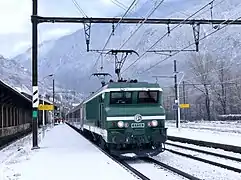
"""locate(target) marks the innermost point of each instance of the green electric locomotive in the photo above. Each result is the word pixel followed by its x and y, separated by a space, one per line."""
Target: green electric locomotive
pixel 124 117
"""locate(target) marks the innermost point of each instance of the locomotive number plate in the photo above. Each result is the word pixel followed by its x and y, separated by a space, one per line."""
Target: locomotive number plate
pixel 137 125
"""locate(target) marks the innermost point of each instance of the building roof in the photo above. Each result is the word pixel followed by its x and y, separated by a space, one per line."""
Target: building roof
pixel 18 93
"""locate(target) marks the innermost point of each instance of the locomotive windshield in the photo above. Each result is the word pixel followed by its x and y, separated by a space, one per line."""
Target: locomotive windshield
pixel 148 96
pixel 120 97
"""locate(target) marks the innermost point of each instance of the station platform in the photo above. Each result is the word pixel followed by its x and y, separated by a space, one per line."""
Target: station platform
pixel 63 154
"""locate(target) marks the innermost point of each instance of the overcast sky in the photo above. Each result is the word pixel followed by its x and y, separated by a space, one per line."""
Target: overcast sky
pixel 15 29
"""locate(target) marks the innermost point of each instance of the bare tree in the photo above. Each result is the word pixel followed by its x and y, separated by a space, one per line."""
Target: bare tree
pixel 235 94
pixel 168 98
pixel 220 87
pixel 201 68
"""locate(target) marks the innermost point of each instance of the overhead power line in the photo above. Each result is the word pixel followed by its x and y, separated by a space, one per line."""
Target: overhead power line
pixel 229 84
pixel 79 8
pixel 114 29
pixel 152 11
pixel 167 34
pixel 212 71
pixel 190 45
pixel 122 6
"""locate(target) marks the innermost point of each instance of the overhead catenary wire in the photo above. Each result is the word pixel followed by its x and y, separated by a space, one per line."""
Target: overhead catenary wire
pixel 234 85
pixel 212 71
pixel 119 4
pixel 202 39
pixel 167 34
pixel 217 61
pixel 190 45
pixel 124 7
pixel 229 81
pixel 210 60
pixel 152 11
pixel 79 8
pixel 188 15
pixel 133 2
pixel 225 82
pixel 211 3
pixel 216 70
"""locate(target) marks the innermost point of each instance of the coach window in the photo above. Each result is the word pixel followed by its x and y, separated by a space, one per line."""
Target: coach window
pixel 120 97
pixel 148 96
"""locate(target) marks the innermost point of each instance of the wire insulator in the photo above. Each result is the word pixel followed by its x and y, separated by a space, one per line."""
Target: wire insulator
pixel 113 29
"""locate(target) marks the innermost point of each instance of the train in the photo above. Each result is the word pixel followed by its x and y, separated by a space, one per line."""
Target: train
pixel 123 117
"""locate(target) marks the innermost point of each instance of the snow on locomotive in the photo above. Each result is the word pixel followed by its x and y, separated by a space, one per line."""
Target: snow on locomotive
pixel 124 117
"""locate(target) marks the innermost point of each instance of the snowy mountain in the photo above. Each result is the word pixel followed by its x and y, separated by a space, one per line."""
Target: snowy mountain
pixel 72 65
pixel 14 74
pixel 19 78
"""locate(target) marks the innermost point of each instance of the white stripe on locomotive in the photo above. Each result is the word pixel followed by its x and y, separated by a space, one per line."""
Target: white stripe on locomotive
pixel 126 118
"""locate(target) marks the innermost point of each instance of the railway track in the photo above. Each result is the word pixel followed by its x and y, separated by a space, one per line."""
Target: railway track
pixel 205 161
pixel 235 149
pixel 205 152
pixel 134 171
pixel 170 168
pixel 116 159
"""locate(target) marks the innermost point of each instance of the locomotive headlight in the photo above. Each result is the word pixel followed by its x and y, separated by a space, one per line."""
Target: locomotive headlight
pixel 154 123
pixel 120 124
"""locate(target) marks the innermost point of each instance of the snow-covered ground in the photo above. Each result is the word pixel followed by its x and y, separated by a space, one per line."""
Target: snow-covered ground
pixel 208 131
pixel 197 168
pixel 219 126
pixel 218 151
pixel 206 156
pixel 63 154
pixel 18 146
pixel 154 172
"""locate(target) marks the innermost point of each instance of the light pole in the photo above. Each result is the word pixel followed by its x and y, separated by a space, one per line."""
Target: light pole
pixel 177 100
pixel 53 102
pixel 43 118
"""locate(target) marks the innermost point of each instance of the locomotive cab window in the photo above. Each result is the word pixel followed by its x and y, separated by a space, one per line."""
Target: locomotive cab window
pixel 148 96
pixel 120 97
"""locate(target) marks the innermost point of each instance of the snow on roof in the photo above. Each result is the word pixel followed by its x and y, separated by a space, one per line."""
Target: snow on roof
pixel 26 91
pixel 46 100
pixel 15 90
pixel 75 104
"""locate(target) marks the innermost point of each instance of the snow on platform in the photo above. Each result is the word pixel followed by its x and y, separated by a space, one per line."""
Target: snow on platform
pixel 63 154
pixel 206 135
